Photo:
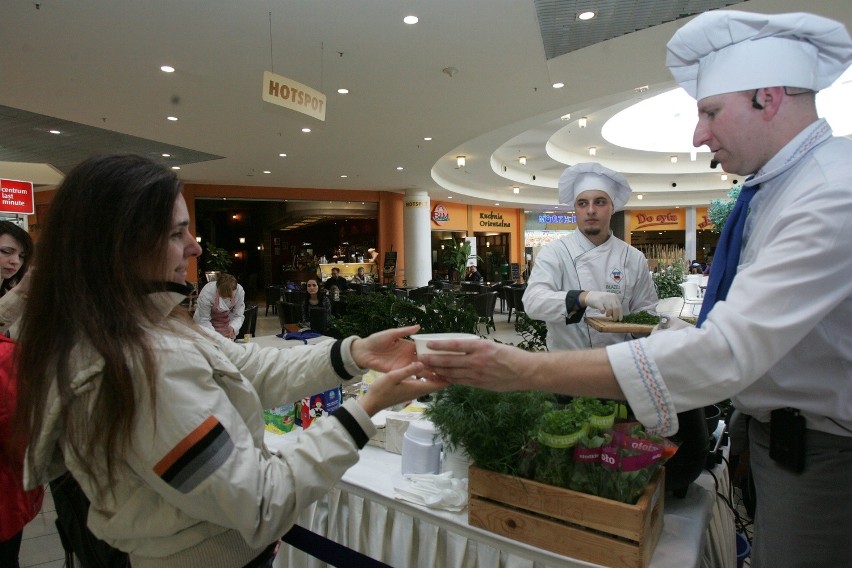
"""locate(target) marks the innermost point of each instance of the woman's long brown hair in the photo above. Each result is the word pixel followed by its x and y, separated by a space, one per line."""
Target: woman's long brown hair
pixel 105 236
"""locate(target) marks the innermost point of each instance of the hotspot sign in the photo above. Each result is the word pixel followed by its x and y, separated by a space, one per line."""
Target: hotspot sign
pixel 16 197
pixel 281 91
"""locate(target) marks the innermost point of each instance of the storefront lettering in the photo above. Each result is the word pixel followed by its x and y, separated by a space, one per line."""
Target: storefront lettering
pixel 492 219
pixel 644 220
pixel 552 219
pixel 440 214
pixel 415 203
pixel 706 223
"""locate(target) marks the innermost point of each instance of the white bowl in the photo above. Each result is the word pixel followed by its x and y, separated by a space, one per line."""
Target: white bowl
pixel 421 339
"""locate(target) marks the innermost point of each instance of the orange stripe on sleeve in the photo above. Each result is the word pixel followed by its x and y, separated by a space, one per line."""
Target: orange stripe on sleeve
pixel 202 430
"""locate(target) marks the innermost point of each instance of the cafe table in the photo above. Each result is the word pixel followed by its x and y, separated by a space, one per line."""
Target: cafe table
pixel 360 512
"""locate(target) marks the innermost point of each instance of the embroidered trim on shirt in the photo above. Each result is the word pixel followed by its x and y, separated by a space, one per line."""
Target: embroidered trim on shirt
pixel 196 457
pixel 651 380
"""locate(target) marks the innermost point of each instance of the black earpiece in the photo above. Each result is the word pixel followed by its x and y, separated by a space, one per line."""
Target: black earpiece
pixel 754 102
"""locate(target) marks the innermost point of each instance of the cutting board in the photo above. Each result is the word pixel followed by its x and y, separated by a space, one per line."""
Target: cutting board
pixel 608 326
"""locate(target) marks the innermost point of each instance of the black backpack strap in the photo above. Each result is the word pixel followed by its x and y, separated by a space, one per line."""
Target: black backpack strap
pixel 72 512
pixel 329 551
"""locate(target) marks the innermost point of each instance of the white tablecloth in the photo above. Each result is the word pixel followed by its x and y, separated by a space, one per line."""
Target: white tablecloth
pixel 360 512
pixel 280 343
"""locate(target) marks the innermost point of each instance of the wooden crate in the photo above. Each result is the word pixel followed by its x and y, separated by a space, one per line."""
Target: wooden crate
pixel 566 522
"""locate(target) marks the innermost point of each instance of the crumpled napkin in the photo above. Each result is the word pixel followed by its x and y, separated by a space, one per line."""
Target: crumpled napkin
pixel 437 491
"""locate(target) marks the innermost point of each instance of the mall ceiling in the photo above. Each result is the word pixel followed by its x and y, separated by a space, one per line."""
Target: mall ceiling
pixel 475 77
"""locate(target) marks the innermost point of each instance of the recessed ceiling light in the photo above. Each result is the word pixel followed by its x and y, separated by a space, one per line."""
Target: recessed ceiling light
pixel 673 159
pixel 172 118
pixel 411 20
pixel 582 122
pixel 586 15
pixel 427 138
pixel 167 155
pixel 55 132
pixel 497 204
pixel 267 172
pixel 343 91
pixel 283 155
pixel 167 69
pixel 399 167
pixel 344 176
pixel 449 197
pixel 639 197
pixel 175 167
pixel 558 85
pixel 516 190
pixel 565 116
pixel 306 130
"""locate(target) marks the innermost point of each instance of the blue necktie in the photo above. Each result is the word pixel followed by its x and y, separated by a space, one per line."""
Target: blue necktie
pixel 727 256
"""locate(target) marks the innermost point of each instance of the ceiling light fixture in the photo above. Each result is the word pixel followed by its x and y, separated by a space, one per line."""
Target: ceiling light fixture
pixel 282 155
pixel 167 155
pixel 724 177
pixel 673 159
pixel 172 118
pixel 306 130
pixel 175 167
pixel 460 161
pixel 593 151
pixel 693 155
pixel 516 190
pixel 399 167
pixel 558 85
pixel 55 132
pixel 523 160
pixel 411 20
pixel 242 240
pixel 565 116
pixel 639 196
pixel 343 91
pixel 167 69
pixel 427 138
pixel 586 15
pixel 267 172
pixel 582 122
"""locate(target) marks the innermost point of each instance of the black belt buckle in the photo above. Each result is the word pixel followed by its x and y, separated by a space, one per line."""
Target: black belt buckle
pixel 787 439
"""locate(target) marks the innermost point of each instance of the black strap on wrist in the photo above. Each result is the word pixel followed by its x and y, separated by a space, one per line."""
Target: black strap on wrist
pixel 572 307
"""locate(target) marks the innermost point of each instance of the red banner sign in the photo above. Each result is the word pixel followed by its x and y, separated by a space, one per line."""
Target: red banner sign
pixel 16 197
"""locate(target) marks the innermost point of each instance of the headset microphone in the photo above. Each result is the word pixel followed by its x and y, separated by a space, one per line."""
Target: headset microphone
pixel 714 164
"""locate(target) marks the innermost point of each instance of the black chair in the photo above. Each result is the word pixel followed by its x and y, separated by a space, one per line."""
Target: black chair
pixel 514 297
pixel 400 293
pixel 250 323
pixel 273 294
pixel 484 305
pixel 288 312
pixel 421 295
pixel 501 295
pixel 473 287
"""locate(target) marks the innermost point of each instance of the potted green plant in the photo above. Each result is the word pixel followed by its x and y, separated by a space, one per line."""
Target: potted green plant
pixel 456 256
pixel 216 261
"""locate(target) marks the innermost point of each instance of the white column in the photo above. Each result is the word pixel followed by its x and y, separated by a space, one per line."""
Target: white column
pixel 418 238
pixel 691 236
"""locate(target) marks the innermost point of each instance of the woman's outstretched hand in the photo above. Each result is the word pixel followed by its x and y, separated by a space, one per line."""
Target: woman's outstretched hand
pixel 385 350
pixel 397 386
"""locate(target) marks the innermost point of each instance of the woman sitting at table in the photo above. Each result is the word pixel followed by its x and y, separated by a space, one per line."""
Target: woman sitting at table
pixel 221 306
pixel 316 298
pixel 159 421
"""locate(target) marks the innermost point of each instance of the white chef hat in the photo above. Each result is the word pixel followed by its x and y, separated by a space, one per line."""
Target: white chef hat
pixel 591 175
pixel 725 51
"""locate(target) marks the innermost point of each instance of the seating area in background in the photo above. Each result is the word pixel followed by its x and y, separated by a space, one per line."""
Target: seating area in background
pixel 692 297
pixel 287 303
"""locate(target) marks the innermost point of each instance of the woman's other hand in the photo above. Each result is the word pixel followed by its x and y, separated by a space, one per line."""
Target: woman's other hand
pixel 397 386
pixel 385 350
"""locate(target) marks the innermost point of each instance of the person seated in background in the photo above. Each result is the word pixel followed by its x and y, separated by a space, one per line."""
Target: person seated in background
pixel 315 298
pixel 473 275
pixel 221 306
pixel 336 280
pixel 361 277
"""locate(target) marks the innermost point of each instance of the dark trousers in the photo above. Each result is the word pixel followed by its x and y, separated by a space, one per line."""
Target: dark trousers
pixel 9 550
